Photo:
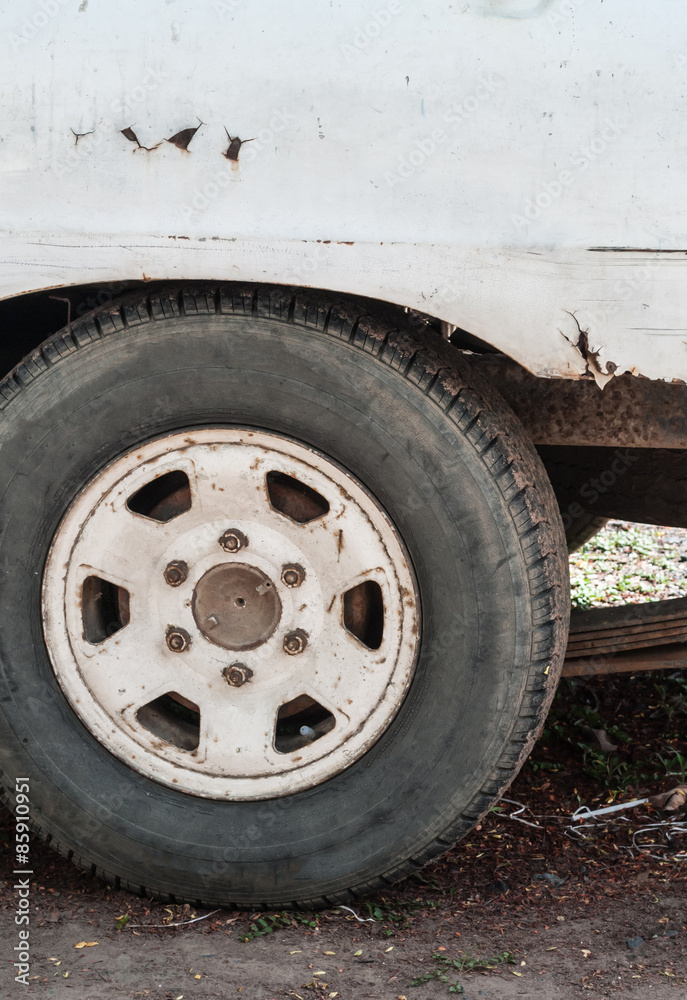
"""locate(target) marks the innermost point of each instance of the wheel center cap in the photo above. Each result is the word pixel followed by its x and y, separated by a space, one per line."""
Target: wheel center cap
pixel 236 606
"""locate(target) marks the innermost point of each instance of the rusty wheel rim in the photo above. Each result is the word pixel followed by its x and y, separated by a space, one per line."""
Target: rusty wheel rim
pixel 231 613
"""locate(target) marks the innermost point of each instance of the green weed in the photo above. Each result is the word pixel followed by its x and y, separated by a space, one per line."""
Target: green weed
pixel 446 968
pixel 271 922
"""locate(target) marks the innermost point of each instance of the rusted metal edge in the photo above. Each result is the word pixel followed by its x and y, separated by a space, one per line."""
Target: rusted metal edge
pixel 630 412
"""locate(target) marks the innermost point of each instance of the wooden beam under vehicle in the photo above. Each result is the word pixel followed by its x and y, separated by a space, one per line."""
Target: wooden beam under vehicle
pixel 627 638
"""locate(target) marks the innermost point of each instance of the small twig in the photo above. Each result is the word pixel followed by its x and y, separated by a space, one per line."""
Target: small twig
pixel 62 298
pixel 181 923
pixel 361 920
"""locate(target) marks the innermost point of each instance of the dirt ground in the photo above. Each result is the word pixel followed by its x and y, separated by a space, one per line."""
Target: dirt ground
pixel 530 905
pixel 575 915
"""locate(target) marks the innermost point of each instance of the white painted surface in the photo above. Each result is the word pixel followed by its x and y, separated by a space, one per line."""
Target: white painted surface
pixel 108 681
pixel 471 152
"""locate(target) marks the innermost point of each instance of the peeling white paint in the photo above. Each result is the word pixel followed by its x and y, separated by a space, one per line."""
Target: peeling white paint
pixel 468 163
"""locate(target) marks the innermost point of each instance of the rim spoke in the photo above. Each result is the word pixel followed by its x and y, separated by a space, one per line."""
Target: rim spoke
pixel 231 487
pixel 342 677
pixel 121 547
pixel 237 731
pixel 343 560
pixel 128 670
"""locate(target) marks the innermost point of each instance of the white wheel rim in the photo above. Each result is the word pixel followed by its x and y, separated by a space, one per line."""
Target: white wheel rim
pixel 245 749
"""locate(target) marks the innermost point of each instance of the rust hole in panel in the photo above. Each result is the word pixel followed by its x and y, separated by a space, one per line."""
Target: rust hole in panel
pixel 104 609
pixel 174 719
pixel 363 613
pixel 163 498
pixel 300 722
pixel 294 499
pixel 129 134
pixel 235 144
pixel 182 140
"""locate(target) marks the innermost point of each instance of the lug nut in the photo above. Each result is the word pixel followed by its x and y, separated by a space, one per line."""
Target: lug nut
pixel 237 674
pixel 176 573
pixel 295 642
pixel 233 540
pixel 292 575
pixel 178 639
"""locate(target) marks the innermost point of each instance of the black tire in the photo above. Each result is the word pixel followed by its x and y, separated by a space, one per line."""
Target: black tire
pixel 582 529
pixel 459 479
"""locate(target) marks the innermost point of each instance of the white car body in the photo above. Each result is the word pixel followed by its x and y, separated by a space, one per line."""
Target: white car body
pixel 512 167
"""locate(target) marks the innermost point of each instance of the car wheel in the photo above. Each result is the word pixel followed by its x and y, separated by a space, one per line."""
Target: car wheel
pixel 284 596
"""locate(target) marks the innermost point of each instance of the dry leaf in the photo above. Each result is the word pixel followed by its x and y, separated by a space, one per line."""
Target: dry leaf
pixel 296 952
pixel 319 973
pixel 671 801
pixel 196 977
pixel 391 948
pixel 358 952
pixel 586 952
pixel 329 953
pixel 517 973
pixel 86 944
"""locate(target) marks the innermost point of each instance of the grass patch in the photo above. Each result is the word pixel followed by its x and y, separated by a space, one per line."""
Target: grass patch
pixel 446 968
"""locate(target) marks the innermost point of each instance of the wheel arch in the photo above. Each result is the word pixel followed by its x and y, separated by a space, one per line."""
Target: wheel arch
pixel 29 318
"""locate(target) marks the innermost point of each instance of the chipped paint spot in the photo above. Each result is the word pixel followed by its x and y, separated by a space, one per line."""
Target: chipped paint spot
pixel 80 135
pixel 591 357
